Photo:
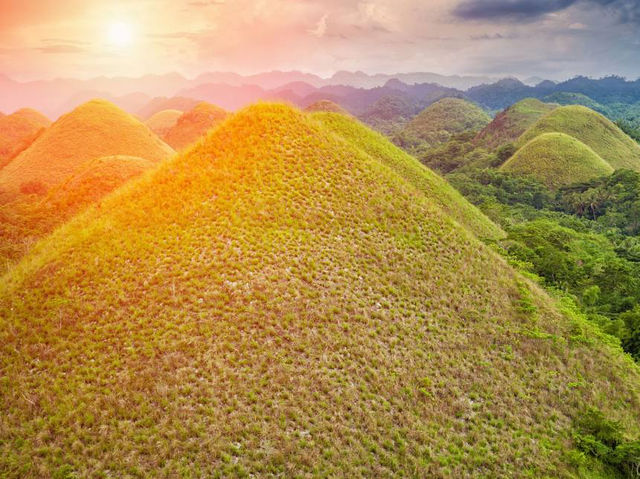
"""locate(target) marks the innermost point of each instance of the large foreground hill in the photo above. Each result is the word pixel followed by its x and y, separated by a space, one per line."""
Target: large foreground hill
pixel 281 300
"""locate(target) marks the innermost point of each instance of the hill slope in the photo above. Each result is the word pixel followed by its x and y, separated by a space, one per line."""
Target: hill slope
pixel 511 123
pixel 557 159
pixel 17 130
pixel 441 193
pixel 93 130
pixel 194 124
pixel 275 302
pixel 592 129
pixel 326 106
pixel 161 122
pixel 446 117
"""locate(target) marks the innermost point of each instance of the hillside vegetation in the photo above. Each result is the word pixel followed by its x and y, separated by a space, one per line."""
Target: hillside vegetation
pixel 592 129
pixel 556 159
pixel 28 218
pixel 437 123
pixel 193 124
pixel 379 148
pixel 511 123
pixel 93 130
pixel 18 130
pixel 278 301
pixel 161 122
pixel 326 106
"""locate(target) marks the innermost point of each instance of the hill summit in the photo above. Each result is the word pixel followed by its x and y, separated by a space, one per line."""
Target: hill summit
pixel 161 122
pixel 511 123
pixel 326 106
pixel 438 122
pixel 18 130
pixel 93 130
pixel 592 129
pixel 287 301
pixel 192 125
pixel 557 159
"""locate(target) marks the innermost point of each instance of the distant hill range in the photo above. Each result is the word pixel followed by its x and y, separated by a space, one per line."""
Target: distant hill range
pixel 359 93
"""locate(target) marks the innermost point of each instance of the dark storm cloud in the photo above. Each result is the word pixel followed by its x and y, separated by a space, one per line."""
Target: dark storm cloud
pixel 626 11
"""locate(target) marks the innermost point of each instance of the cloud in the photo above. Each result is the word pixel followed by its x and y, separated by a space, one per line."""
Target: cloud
pixel 625 11
pixel 61 48
pixel 518 10
pixel 321 27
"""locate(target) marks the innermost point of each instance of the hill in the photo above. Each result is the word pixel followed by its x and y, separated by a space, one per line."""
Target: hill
pixel 556 159
pixel 163 103
pixel 511 123
pixel 445 118
pixel 327 106
pixel 592 129
pixel 277 302
pixel 194 124
pixel 409 168
pixel 568 98
pixel 93 130
pixel 18 130
pixel 161 122
pixel 26 219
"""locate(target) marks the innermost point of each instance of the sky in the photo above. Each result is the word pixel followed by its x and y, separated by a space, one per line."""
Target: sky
pixel 555 39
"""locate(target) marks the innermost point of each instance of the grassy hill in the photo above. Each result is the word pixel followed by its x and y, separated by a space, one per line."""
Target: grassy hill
pixel 327 106
pixel 26 219
pixel 194 124
pixel 511 123
pixel 161 122
pixel 379 148
pixel 159 104
pixel 18 130
pixel 277 301
pixel 568 98
pixel 445 118
pixel 556 159
pixel 93 130
pixel 592 129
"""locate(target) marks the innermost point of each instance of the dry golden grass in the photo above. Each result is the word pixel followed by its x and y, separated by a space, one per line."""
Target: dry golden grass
pixel 93 130
pixel 19 130
pixel 163 121
pixel 193 124
pixel 278 302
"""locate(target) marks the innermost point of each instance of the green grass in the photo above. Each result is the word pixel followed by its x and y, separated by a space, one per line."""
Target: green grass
pixel 556 159
pixel 592 129
pixel 445 118
pixel 439 191
pixel 276 301
pixel 509 124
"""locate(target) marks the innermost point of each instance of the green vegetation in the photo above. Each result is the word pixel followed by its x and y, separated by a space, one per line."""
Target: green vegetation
pixel 511 123
pixel 592 129
pixel 326 106
pixel 389 114
pixel 442 193
pixel 282 300
pixel 437 123
pixel 194 124
pixel 556 159
pixel 93 130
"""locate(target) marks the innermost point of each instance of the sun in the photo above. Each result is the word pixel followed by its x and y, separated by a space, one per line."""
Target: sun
pixel 120 34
